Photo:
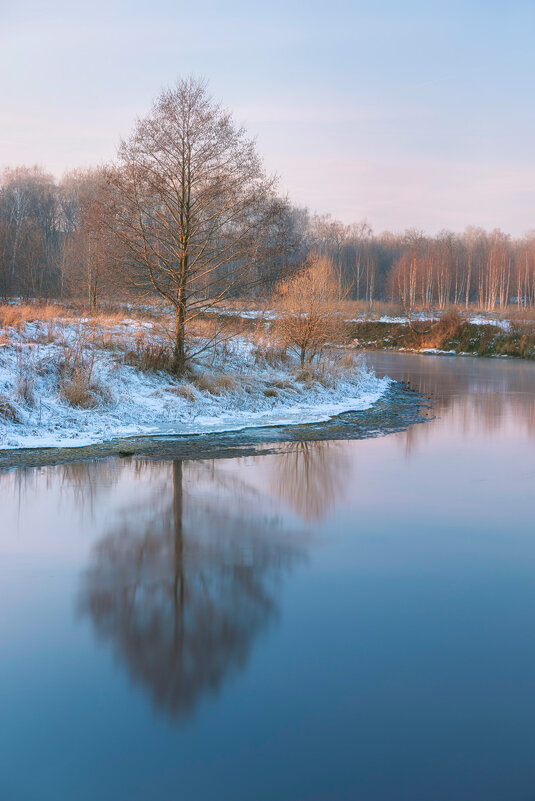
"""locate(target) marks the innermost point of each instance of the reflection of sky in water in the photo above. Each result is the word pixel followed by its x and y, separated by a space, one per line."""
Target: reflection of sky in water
pixel 341 620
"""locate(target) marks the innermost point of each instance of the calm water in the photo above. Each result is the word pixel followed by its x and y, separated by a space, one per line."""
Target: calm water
pixel 341 620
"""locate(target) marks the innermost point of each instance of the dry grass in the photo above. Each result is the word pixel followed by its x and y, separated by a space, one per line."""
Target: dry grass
pixel 77 386
pixel 84 393
pixel 332 368
pixel 447 327
pixel 26 371
pixel 282 383
pixel 77 392
pixel 149 356
pixel 353 308
pixel 272 355
pixel 271 392
pixel 309 374
pixel 8 410
pixel 215 384
pixel 185 391
pixel 15 315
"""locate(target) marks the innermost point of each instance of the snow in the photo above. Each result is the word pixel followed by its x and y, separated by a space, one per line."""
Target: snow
pixel 505 325
pixel 404 319
pixel 438 351
pixel 143 403
pixel 244 314
pixel 419 316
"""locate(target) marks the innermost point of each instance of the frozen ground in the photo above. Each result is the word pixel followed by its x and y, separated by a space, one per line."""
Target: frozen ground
pixel 232 388
pixel 420 316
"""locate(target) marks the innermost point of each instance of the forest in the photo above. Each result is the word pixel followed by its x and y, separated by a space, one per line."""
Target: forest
pixel 55 244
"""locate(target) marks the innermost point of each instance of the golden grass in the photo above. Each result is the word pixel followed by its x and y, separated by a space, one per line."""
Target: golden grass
pixel 14 315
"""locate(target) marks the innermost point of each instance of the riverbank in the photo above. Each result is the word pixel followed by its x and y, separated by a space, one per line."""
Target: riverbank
pixel 67 382
pixel 450 334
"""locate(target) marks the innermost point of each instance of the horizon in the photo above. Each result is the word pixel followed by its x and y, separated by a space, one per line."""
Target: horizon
pixel 394 123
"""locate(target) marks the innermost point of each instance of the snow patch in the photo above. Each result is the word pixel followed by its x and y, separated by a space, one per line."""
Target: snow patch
pixel 141 403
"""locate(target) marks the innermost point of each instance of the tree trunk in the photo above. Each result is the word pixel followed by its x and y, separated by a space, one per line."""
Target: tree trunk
pixel 179 352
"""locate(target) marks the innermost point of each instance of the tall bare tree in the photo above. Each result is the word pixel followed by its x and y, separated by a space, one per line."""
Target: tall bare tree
pixel 192 203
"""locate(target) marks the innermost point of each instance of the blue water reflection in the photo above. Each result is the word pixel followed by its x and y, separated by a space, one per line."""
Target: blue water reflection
pixel 349 620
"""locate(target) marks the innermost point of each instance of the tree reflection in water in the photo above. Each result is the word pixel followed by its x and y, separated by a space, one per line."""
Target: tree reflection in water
pixel 309 477
pixel 182 587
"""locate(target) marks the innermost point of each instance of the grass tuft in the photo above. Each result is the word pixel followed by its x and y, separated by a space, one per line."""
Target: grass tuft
pixel 8 410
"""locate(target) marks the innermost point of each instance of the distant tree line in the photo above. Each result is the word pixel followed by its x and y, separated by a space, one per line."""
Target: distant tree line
pixel 56 243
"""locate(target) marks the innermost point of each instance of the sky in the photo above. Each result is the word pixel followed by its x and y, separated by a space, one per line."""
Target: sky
pixel 405 113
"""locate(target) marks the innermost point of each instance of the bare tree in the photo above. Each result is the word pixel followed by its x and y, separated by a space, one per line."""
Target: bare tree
pixel 307 304
pixel 192 203
pixel 90 250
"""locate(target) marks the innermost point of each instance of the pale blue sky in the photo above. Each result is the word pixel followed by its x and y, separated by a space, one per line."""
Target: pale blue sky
pixel 408 113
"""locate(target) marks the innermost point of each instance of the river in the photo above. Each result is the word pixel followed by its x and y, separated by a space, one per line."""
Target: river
pixel 331 619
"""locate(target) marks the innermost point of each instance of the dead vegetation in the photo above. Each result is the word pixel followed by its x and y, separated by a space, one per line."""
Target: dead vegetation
pixel 84 393
pixel 266 353
pixel 214 383
pixel 185 391
pixel 77 384
pixel 14 315
pixel 451 332
pixel 8 410
pixel 149 356
pixel 307 306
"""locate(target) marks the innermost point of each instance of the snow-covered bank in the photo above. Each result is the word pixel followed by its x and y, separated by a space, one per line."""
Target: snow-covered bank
pixel 488 318
pixel 230 390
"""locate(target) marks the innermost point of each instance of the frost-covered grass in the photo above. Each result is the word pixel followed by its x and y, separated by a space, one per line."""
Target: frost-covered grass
pixel 70 381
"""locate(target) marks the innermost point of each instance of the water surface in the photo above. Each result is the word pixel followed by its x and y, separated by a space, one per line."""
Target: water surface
pixel 335 620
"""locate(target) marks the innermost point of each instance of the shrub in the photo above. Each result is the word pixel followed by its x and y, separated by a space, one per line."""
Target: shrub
pixel 449 326
pixel 308 310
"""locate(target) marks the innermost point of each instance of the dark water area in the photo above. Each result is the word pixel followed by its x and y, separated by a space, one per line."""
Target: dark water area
pixel 316 619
